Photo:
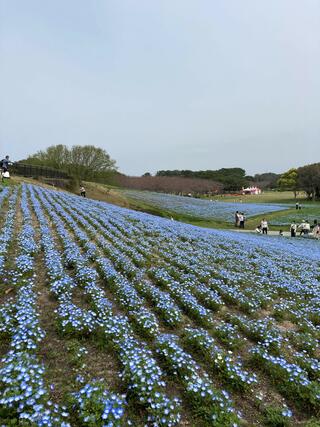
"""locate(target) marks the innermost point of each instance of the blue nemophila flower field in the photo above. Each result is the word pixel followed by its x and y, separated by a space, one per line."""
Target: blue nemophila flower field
pixel 201 208
pixel 161 323
pixel 97 406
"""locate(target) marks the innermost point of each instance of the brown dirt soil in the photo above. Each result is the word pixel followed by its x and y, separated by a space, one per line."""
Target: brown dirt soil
pixel 53 349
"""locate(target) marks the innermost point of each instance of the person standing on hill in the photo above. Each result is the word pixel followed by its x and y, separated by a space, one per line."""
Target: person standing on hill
pixel 82 191
pixel 5 164
pixel 293 229
pixel 264 226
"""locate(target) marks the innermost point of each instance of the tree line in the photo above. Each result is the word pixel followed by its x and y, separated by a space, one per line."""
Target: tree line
pixel 232 179
pixel 90 163
pixel 170 184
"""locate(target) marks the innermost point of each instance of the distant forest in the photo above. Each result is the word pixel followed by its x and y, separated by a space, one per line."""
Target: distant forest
pixel 232 179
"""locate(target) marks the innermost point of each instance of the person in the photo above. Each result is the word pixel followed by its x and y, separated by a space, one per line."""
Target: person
pixel 5 164
pixel 242 219
pixel 301 227
pixel 315 223
pixel 258 229
pixel 304 227
pixel 264 226
pixel 281 233
pixel 297 206
pixel 293 229
pixel 300 207
pixel 316 231
pixel 307 228
pixel 82 191
pixel 236 219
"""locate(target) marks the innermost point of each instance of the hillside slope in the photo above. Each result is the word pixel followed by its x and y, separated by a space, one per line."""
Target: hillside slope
pixel 166 323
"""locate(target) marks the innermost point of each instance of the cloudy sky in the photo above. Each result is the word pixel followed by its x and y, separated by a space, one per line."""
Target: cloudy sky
pixel 163 84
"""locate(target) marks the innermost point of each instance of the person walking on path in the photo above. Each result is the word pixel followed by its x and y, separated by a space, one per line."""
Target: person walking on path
pixel 264 226
pixel 293 229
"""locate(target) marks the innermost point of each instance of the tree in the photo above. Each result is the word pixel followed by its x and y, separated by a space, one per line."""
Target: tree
pixel 55 156
pixel 309 180
pixel 266 180
pixel 289 181
pixel 87 160
pixel 83 162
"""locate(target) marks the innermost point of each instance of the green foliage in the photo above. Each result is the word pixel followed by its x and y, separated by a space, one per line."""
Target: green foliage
pixel 233 179
pixel 266 180
pixel 98 407
pixel 312 423
pixel 289 181
pixel 9 419
pixel 77 353
pixel 81 162
pixel 309 180
pixel 274 417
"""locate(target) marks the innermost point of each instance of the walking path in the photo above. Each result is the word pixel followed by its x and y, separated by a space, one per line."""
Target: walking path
pixel 274 233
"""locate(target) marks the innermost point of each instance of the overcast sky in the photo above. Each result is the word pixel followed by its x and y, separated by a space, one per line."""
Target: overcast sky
pixel 163 84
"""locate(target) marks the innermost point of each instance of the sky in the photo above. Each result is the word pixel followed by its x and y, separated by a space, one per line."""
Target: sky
pixel 163 84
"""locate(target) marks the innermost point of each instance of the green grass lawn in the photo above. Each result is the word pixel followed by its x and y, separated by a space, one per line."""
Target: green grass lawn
pixel 272 197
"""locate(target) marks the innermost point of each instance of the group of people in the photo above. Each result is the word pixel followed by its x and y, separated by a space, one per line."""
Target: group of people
pixel 305 228
pixel 239 219
pixel 263 227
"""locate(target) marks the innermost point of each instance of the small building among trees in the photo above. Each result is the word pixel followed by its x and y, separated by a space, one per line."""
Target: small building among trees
pixel 251 190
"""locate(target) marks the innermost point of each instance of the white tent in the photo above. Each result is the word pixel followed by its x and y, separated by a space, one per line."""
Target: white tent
pixel 251 190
